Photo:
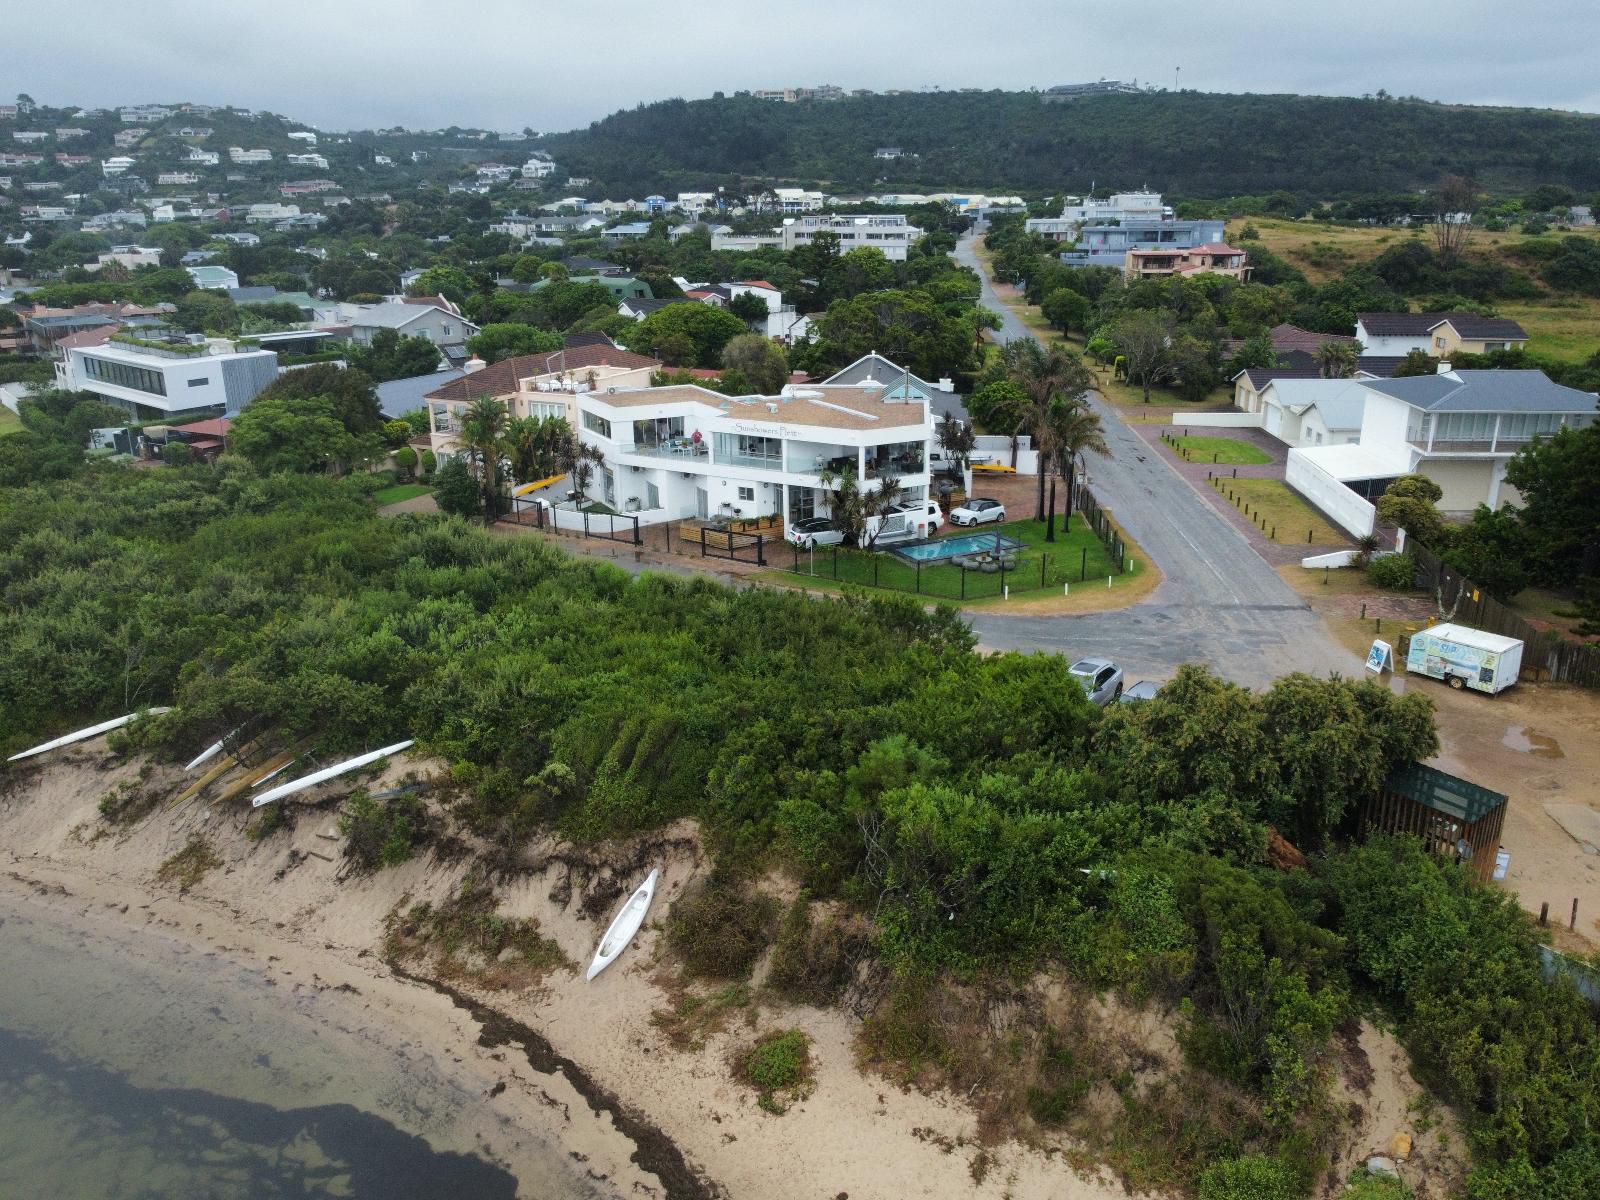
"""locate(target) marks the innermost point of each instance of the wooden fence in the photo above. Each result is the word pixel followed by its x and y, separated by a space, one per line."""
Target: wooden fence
pixel 1546 654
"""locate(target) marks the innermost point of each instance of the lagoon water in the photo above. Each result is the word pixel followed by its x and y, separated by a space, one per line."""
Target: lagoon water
pixel 133 1067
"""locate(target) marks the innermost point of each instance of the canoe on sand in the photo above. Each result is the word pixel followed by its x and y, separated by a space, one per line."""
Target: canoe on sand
pixel 626 924
pixel 84 734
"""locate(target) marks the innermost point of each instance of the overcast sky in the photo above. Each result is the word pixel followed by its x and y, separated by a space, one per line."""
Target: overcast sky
pixel 506 64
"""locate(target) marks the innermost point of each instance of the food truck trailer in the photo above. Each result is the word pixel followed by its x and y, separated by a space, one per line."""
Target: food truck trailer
pixel 1465 658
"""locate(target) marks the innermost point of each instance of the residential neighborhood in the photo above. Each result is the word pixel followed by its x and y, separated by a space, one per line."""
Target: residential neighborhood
pixel 667 646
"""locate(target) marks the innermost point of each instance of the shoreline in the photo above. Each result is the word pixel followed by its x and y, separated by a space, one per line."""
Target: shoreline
pixel 582 1066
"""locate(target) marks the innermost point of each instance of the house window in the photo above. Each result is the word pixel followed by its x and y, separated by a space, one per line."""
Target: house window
pixel 747 493
pixel 202 381
pixel 652 495
pixel 611 487
pixel 1439 342
pixel 596 424
pixel 448 329
pixel 441 418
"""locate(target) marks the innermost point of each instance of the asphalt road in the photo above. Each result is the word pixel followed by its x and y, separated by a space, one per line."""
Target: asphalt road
pixel 1220 603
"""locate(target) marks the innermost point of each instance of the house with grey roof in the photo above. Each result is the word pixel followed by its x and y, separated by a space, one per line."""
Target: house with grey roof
pixel 439 325
pixel 871 370
pixel 1458 428
pixel 1439 334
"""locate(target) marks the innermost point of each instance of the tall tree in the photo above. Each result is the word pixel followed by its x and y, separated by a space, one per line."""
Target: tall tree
pixel 483 443
pixel 1144 340
pixel 1451 204
pixel 855 509
pixel 1048 377
pixel 1077 429
pixel 580 460
pixel 534 446
pixel 956 439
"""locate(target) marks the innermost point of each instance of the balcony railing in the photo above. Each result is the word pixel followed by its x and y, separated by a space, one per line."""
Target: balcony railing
pixel 1504 445
pixel 760 462
pixel 900 464
pixel 676 449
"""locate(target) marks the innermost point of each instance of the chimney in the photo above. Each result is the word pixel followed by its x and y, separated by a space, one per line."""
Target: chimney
pixel 772 407
pixel 473 364
pixel 1444 367
pixel 946 384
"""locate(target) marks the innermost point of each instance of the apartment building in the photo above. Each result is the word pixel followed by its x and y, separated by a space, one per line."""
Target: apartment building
pixel 888 232
pixel 241 156
pixel 1108 245
pixel 1078 211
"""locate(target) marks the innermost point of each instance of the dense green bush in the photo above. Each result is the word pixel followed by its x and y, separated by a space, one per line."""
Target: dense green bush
pixel 1393 572
pixel 382 833
pixel 1248 1178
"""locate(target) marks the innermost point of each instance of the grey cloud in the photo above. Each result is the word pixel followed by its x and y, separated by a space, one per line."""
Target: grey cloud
pixel 506 64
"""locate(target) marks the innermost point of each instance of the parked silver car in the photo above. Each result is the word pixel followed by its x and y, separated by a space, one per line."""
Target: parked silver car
pixel 1100 677
pixel 978 512
pixel 1143 690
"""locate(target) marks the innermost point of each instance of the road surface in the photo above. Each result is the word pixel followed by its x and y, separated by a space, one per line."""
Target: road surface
pixel 1220 603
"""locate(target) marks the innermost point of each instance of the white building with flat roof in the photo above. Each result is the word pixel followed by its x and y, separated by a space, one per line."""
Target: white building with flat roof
pixel 1119 208
pixel 157 383
pixel 688 452
pixel 888 232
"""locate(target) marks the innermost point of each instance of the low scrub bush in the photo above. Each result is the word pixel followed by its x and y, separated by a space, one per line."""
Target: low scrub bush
pixel 383 833
pixel 778 1066
pixel 814 961
pixel 720 931
pixel 1393 572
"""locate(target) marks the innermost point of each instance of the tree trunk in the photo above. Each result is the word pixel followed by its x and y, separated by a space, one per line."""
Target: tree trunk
pixel 1050 523
pixel 1013 452
pixel 1044 466
pixel 1072 481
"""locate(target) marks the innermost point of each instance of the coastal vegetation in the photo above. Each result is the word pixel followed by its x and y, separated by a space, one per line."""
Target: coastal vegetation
pixel 961 821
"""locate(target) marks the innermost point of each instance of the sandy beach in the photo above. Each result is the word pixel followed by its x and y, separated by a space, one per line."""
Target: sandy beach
pixel 581 1065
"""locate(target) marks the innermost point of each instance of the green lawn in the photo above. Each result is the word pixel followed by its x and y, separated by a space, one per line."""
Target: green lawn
pixel 1077 555
pixel 1223 451
pixel 9 421
pixel 397 492
pixel 1285 512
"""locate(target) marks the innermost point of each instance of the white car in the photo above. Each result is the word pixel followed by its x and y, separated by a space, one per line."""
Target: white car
pixel 813 532
pixel 923 512
pixel 978 512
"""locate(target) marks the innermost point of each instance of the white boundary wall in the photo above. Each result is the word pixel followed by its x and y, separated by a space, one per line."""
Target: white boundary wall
pixel 1349 510
pixel 1218 420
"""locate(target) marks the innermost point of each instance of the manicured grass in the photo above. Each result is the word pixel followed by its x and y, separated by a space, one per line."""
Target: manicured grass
pixel 1076 556
pixel 1284 511
pixel 1223 451
pixel 9 421
pixel 397 492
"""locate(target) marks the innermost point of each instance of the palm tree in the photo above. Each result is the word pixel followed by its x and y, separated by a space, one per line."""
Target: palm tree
pixel 580 460
pixel 852 508
pixel 483 438
pixel 1335 360
pixel 1049 376
pixel 1077 428
pixel 535 446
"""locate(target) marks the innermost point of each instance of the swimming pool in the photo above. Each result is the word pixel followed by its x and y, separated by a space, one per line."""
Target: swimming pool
pixel 967 543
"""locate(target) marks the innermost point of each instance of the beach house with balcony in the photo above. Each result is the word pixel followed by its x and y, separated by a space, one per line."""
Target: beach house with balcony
pixel 684 451
pixel 162 379
pixel 1458 428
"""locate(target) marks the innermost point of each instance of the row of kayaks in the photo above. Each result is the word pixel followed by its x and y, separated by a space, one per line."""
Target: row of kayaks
pixel 619 934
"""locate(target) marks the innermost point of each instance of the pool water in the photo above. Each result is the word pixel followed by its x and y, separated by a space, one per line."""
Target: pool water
pixel 967 543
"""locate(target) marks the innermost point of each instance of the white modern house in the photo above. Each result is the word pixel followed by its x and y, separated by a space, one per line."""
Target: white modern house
pixel 1459 428
pixel 213 278
pixel 688 452
pixel 155 382
pixel 1310 412
pixel 888 232
pixel 1117 209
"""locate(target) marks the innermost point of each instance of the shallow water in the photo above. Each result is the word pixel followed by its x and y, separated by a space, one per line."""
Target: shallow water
pixel 133 1067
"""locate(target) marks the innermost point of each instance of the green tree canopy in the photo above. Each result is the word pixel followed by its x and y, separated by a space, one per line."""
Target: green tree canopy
pixel 503 340
pixel 392 355
pixel 685 335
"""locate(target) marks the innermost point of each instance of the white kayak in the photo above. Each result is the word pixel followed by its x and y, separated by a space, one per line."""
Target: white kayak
pixel 316 777
pixel 208 753
pixel 85 734
pixel 626 924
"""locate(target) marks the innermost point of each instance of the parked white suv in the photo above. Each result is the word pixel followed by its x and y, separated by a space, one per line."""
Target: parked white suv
pixel 923 512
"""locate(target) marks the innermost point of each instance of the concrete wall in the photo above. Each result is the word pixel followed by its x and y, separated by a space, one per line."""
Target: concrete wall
pixel 1218 420
pixel 1343 506
pixel 1466 482
pixel 1383 424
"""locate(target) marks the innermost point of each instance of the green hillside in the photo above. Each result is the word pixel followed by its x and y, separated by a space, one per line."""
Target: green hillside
pixel 1187 143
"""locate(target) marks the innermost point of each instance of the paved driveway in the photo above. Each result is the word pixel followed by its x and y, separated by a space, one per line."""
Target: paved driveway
pixel 1220 603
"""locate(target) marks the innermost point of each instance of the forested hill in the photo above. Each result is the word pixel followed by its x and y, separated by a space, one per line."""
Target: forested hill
pixel 1188 143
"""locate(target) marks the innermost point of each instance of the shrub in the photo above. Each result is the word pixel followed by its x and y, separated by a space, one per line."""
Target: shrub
pixel 405 461
pixel 188 866
pixel 720 932
pixel 430 464
pixel 814 962
pixel 456 491
pixel 1393 572
pixel 778 1066
pixel 1249 1178
pixel 382 833
pixel 177 454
